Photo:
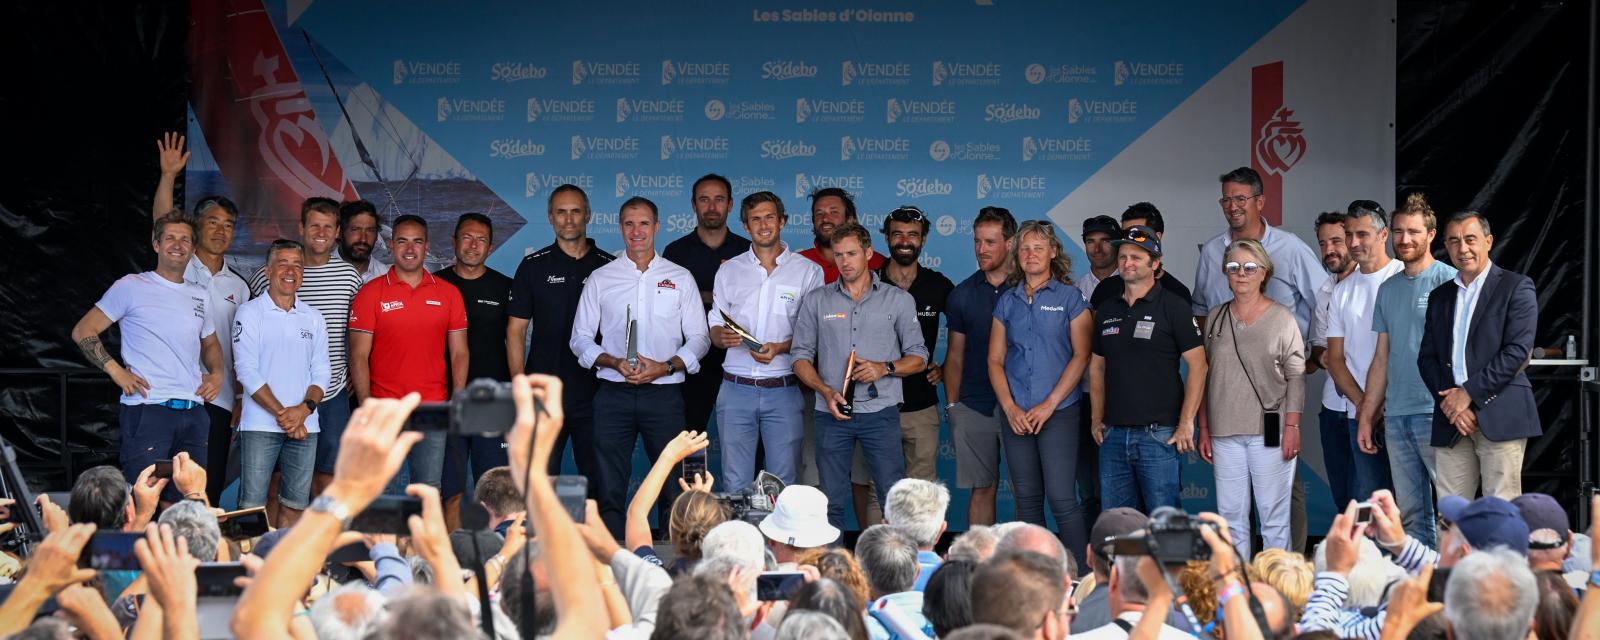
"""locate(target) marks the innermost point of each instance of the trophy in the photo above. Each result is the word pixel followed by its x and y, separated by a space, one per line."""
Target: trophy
pixel 750 341
pixel 633 340
pixel 848 406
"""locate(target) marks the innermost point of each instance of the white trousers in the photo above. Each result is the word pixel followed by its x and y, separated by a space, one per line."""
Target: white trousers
pixel 1243 465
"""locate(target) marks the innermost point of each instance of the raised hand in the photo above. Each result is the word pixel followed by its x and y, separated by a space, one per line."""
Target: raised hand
pixel 170 149
pixel 372 449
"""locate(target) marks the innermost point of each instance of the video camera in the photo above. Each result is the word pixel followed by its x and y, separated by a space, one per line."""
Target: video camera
pixel 756 503
pixel 1172 538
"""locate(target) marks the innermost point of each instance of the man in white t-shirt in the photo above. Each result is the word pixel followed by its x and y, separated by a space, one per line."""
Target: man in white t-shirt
pixel 281 349
pixel 1351 341
pixel 167 335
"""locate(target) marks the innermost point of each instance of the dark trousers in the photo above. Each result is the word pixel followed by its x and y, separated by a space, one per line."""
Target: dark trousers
pixel 700 391
pixel 623 414
pixel 218 445
pixel 465 460
pixel 151 432
pixel 1337 457
pixel 579 430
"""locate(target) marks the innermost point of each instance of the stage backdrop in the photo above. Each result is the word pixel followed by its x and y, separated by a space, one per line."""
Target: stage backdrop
pixel 1057 110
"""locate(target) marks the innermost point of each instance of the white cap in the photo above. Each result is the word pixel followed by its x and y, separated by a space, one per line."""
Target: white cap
pixel 800 519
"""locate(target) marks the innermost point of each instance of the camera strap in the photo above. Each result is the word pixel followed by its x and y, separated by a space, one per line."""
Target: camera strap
pixel 1233 333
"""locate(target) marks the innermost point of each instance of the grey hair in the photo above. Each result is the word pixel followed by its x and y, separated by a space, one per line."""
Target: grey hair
pixel 195 523
pixel 1129 586
pixel 888 557
pixel 421 571
pixel 976 545
pixel 1379 221
pixel 737 539
pixel 1032 537
pixel 917 507
pixel 424 614
pixel 1371 575
pixel 720 568
pixel 806 625
pixel 351 612
pixel 1491 595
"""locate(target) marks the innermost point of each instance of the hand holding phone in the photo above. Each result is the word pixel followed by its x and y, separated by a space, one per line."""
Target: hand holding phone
pixel 778 585
pixel 387 514
pixel 572 491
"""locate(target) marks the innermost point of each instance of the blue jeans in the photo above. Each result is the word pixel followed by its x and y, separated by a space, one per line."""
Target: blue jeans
pixel 879 435
pixel 332 414
pixel 260 452
pixel 151 432
pixel 1337 448
pixel 425 464
pixel 1045 465
pixel 1411 460
pixel 1137 463
pixel 773 417
pixel 1371 470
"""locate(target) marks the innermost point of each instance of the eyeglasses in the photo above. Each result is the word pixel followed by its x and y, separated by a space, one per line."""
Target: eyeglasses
pixel 1249 268
pixel 907 213
pixel 1238 200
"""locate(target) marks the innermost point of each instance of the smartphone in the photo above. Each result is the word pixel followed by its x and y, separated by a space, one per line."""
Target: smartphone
pixel 1271 429
pixel 1363 512
pixel 163 469
pixel 778 585
pixel 572 491
pixel 61 499
pixel 353 552
pixel 692 465
pixel 216 578
pixel 429 416
pixel 110 551
pixel 387 514
pixel 244 524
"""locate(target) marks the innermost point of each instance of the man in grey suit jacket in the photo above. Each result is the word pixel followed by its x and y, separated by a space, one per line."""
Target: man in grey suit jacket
pixel 1478 335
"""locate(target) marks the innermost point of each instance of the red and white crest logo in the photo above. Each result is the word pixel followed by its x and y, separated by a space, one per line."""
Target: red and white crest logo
pixel 1277 140
pixel 1280 143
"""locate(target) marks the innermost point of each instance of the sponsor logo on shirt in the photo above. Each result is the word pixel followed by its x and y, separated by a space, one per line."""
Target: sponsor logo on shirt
pixel 835 316
pixel 232 298
pixel 387 307
pixel 666 284
pixel 555 279
pixel 435 303
pixel 492 303
pixel 305 334
pixel 1110 331
pixel 1050 308
pixel 238 329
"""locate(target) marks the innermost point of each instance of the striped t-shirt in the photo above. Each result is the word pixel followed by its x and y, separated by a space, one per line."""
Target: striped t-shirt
pixel 328 289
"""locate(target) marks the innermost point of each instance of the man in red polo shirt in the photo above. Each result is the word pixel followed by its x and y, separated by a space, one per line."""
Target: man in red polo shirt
pixel 830 208
pixel 401 324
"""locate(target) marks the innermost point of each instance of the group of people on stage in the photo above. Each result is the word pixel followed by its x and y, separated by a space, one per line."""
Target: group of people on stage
pixel 818 364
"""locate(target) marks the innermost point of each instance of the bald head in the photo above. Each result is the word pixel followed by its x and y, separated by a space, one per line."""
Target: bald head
pixel 1278 610
pixel 1032 537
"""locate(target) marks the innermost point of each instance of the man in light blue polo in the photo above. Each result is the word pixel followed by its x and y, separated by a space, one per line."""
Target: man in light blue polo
pixel 1294 281
pixel 281 354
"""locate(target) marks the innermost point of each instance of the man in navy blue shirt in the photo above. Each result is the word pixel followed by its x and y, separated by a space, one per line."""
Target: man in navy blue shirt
pixel 974 423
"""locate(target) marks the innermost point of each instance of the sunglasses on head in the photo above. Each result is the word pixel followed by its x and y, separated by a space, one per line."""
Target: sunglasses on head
pixel 1249 268
pixel 1138 236
pixel 907 213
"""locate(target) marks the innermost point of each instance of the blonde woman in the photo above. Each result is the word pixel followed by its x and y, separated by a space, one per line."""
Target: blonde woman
pixel 1038 353
pixel 1250 424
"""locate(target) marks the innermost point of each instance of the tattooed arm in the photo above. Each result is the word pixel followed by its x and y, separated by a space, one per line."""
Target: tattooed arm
pixel 87 335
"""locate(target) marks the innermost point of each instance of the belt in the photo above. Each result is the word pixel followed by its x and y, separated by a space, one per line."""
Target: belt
pixel 179 405
pixel 765 383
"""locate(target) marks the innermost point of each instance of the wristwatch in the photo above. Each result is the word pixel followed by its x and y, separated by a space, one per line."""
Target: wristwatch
pixel 328 505
pixel 671 368
pixel 889 367
pixel 311 405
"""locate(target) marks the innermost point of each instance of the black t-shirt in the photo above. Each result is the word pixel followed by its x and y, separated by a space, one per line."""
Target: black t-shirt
pixel 1142 346
pixel 1112 287
pixel 545 291
pixel 486 298
pixel 929 292
pixel 702 261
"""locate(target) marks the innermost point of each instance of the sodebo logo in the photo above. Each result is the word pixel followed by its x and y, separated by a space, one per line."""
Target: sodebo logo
pixel 786 149
pixel 921 187
pixel 787 70
pixel 512 148
pixel 517 72
pixel 1004 112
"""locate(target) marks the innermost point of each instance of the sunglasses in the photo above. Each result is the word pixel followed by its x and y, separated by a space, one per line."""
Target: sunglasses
pixel 1138 236
pixel 907 213
pixel 1249 268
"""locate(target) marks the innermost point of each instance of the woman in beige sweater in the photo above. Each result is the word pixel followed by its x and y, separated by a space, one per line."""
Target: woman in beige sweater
pixel 1250 424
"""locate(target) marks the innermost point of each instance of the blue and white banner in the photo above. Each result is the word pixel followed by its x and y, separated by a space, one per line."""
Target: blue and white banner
pixel 1054 110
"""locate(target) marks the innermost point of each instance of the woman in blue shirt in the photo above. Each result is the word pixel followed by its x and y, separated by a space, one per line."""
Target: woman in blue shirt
pixel 1038 352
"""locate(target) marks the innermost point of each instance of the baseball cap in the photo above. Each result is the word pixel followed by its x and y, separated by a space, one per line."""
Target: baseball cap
pixel 1102 224
pixel 1120 521
pixel 1142 236
pixel 800 518
pixel 1487 522
pixel 1542 514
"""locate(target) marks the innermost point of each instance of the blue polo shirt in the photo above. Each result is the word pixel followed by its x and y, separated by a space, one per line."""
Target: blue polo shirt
pixel 1039 339
pixel 1401 310
pixel 970 311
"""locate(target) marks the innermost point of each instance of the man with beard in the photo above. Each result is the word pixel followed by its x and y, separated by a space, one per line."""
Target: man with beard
pixel 208 268
pixel 1138 214
pixel 702 251
pixel 905 231
pixel 485 292
pixel 1098 232
pixel 760 401
pixel 328 284
pixel 974 423
pixel 830 208
pixel 544 298
pixel 641 323
pixel 1352 343
pixel 169 342
pixel 1394 384
pixel 402 327
pixel 876 323
pixel 360 228
pixel 1338 446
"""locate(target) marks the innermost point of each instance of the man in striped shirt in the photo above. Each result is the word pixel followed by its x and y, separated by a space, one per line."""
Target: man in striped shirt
pixel 329 284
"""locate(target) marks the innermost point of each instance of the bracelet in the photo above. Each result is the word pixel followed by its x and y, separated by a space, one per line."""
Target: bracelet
pixel 191 495
pixel 1234 590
